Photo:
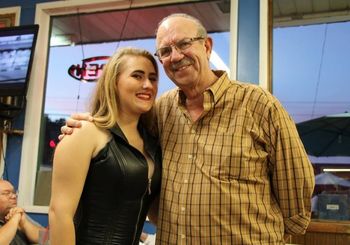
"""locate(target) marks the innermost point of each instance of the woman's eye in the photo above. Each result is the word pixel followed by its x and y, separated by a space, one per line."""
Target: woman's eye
pixel 137 76
pixel 153 79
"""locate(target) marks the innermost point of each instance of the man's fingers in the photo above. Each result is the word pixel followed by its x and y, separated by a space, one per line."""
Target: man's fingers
pixel 82 116
pixel 66 130
pixel 73 123
pixel 61 136
pixel 14 211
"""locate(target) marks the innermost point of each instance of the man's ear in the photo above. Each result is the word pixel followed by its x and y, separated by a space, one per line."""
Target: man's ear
pixel 208 43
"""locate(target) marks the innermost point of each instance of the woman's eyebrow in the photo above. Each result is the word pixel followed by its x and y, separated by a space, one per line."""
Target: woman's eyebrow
pixel 140 71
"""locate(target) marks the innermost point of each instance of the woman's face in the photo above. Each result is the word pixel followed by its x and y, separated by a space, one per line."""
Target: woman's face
pixel 137 85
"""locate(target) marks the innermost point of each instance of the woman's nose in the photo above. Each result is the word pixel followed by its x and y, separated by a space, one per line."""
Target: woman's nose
pixel 147 83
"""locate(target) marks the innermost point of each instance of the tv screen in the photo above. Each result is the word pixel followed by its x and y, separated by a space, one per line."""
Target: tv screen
pixel 17 46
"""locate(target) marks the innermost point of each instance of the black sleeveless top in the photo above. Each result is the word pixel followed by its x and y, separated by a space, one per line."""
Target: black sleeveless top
pixel 117 193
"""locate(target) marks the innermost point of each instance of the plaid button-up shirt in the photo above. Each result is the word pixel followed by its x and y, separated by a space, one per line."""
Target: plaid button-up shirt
pixel 238 175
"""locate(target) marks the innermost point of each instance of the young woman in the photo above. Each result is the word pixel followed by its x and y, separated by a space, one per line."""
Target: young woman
pixel 107 173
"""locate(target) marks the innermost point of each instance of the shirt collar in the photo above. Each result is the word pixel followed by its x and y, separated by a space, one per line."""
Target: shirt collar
pixel 216 90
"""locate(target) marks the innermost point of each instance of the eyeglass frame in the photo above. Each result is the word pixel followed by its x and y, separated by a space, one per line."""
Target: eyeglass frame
pixel 191 40
pixel 9 193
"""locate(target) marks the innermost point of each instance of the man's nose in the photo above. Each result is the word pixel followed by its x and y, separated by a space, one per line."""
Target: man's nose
pixel 13 195
pixel 175 54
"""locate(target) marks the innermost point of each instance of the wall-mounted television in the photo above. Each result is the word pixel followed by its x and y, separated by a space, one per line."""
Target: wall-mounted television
pixel 17 46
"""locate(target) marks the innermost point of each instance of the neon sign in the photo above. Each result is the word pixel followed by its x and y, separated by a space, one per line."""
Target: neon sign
pixel 90 69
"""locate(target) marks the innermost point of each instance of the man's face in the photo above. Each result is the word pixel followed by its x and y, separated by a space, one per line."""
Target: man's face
pixel 8 198
pixel 187 68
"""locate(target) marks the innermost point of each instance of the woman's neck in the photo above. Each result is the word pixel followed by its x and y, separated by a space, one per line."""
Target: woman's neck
pixel 128 121
pixel 128 124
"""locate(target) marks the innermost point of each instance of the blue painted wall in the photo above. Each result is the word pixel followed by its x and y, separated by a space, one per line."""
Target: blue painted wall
pixel 248 41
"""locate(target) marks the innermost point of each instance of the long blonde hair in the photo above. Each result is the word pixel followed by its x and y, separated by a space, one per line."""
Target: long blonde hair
pixel 104 104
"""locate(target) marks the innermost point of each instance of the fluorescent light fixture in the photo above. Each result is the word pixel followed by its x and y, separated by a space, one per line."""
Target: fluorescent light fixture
pixel 61 40
pixel 218 63
pixel 336 170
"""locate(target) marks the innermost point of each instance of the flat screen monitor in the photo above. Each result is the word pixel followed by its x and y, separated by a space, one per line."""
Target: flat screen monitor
pixel 17 46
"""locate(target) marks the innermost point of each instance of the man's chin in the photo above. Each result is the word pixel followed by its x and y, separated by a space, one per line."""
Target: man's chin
pixel 13 204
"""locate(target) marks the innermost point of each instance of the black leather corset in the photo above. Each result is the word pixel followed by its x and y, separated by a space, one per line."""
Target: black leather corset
pixel 116 197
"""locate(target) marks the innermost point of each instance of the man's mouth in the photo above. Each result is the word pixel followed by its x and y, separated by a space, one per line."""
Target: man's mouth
pixel 182 64
pixel 181 68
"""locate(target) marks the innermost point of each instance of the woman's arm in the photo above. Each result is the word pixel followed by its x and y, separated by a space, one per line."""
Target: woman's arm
pixel 71 163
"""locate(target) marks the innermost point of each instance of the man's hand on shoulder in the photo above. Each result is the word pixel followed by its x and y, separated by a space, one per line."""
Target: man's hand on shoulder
pixel 74 122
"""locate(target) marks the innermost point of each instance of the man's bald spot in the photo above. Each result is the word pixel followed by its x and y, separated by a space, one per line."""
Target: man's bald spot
pixel 165 22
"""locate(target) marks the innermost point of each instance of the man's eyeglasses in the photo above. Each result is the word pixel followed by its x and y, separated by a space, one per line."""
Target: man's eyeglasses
pixel 9 193
pixel 181 45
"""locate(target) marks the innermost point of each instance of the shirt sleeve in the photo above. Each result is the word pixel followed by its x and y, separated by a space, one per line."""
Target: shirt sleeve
pixel 292 173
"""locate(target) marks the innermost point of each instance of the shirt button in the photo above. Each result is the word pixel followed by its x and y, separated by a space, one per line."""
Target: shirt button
pixel 183 236
pixel 182 209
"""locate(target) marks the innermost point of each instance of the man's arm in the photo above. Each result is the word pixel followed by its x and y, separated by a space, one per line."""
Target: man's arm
pixel 9 229
pixel 27 226
pixel 292 173
pixel 74 122
pixel 30 229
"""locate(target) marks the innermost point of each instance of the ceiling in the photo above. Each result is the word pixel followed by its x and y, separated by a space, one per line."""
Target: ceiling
pixel 303 12
pixel 215 15
pixel 138 23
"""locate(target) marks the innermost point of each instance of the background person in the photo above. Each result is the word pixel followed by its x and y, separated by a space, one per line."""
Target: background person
pixel 106 175
pixel 15 227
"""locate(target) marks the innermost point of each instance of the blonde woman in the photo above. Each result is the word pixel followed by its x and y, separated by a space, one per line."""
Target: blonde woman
pixel 107 173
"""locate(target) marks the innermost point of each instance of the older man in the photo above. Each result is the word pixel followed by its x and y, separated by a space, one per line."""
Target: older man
pixel 15 227
pixel 234 168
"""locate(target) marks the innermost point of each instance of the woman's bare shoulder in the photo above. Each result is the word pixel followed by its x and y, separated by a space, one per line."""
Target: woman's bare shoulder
pixel 99 135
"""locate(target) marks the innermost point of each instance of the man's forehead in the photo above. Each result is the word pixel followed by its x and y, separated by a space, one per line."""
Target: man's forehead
pixel 5 185
pixel 173 30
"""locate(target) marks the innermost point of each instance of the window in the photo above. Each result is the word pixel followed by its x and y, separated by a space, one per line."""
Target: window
pixel 74 39
pixel 311 79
